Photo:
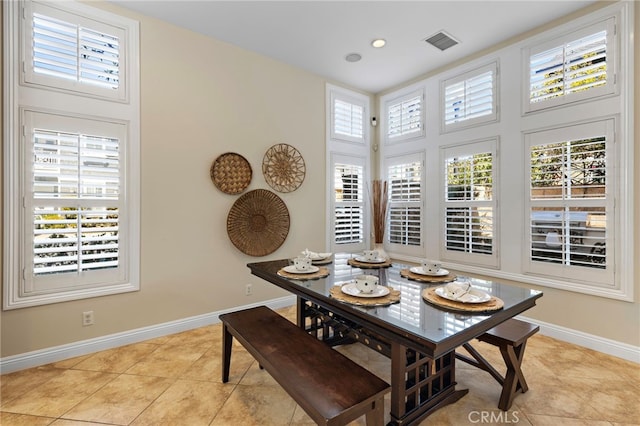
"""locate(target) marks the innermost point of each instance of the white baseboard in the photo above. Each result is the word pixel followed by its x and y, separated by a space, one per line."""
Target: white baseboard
pixel 46 356
pixel 71 350
pixel 597 343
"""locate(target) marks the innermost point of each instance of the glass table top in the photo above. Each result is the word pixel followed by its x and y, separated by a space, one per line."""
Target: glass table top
pixel 412 314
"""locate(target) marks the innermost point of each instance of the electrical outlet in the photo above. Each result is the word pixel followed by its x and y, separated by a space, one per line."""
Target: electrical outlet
pixel 248 290
pixel 87 318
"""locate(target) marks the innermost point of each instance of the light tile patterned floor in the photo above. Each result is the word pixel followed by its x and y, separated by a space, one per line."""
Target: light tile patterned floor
pixel 175 380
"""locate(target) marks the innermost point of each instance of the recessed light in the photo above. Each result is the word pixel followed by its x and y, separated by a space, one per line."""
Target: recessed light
pixel 353 57
pixel 379 42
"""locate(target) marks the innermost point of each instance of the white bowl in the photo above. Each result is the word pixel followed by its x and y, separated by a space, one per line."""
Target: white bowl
pixel 366 283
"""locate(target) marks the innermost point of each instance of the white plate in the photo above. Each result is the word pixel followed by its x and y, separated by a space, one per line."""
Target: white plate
pixel 352 290
pixel 473 296
pixel 365 260
pixel 292 270
pixel 418 270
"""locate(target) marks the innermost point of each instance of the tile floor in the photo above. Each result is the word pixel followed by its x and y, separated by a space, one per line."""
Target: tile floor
pixel 175 380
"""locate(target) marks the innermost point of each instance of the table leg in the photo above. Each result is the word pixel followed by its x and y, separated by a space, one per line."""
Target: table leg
pixel 420 385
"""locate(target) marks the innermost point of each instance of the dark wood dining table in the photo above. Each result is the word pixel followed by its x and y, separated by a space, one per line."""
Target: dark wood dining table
pixel 419 337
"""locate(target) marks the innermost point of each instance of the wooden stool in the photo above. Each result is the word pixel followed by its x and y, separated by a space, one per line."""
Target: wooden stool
pixel 511 338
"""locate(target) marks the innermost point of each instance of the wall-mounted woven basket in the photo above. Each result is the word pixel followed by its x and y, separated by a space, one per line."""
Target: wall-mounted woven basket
pixel 231 173
pixel 258 222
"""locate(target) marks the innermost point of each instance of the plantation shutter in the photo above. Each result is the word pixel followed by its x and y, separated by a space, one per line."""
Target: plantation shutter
pixel 577 64
pixel 349 203
pixel 348 119
pixel 76 189
pixel 405 203
pixel 470 96
pixel 469 204
pixel 568 190
pixel 74 53
pixel 404 116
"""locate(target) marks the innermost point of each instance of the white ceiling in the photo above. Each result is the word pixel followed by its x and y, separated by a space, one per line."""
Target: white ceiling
pixel 317 35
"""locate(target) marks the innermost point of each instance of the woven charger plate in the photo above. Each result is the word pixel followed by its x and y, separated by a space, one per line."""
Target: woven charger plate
pixel 366 265
pixel 389 299
pixel 494 304
pixel 406 273
pixel 231 173
pixel 321 273
pixel 258 222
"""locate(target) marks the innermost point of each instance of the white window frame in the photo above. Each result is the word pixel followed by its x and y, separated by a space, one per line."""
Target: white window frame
pixel 347 150
pixel 337 95
pixel 587 276
pixel 24 96
pixel 400 98
pixel 559 41
pixel 465 122
pixel 406 250
pixel 462 150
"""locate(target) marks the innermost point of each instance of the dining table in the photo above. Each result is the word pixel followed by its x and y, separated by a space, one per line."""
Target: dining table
pixel 419 336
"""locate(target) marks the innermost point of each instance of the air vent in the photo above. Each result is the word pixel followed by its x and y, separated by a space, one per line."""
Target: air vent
pixel 441 40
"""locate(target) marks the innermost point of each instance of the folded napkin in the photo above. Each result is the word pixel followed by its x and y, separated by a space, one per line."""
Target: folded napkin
pixel 315 256
pixel 458 290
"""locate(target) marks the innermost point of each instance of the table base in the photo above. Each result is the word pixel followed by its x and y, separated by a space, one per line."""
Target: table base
pixel 420 384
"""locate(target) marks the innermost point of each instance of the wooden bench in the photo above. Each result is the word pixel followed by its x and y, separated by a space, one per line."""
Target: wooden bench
pixel 331 388
pixel 511 338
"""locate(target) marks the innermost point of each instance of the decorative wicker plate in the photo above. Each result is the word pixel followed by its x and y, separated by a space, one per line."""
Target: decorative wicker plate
pixel 283 168
pixel 258 222
pixel 231 173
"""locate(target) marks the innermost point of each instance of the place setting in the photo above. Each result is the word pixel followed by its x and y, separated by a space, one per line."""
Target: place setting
pixel 302 268
pixel 461 296
pixel 430 271
pixel 365 290
pixel 370 259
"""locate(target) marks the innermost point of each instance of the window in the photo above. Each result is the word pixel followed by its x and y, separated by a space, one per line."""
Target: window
pixel 348 163
pixel 404 179
pixel 67 51
pixel 72 135
pixel 347 118
pixel 469 203
pixel 571 202
pixel 348 218
pixel 405 117
pixel 470 98
pixel 575 67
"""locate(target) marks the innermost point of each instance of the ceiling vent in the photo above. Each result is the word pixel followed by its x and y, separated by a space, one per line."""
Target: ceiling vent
pixel 441 40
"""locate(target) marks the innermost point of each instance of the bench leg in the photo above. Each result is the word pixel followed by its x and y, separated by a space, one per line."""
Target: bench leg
pixel 375 417
pixel 514 378
pixel 227 341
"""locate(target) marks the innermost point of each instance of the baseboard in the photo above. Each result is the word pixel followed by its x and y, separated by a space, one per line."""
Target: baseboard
pixel 597 343
pixel 59 353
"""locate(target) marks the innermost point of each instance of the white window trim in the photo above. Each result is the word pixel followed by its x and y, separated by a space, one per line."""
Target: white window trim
pixel 472 122
pixel 17 97
pixel 470 148
pixel 347 149
pixel 400 96
pixel 337 93
pixel 561 36
pixel 588 278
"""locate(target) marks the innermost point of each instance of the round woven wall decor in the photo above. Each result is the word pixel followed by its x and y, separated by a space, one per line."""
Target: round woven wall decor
pixel 231 173
pixel 258 222
pixel 283 167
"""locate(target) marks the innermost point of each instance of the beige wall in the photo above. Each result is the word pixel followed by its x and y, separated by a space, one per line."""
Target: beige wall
pixel 201 98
